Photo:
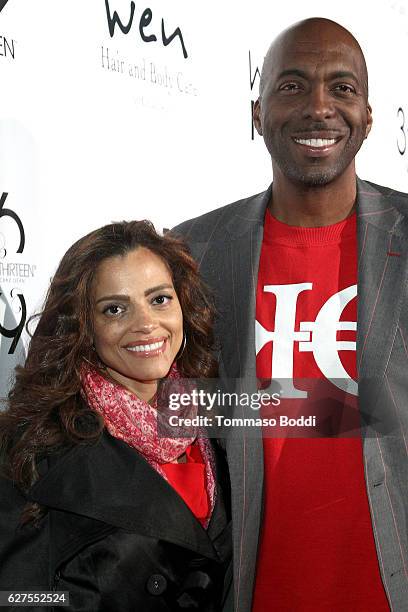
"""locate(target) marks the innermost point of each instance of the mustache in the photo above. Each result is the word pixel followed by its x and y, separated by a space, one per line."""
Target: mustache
pixel 317 127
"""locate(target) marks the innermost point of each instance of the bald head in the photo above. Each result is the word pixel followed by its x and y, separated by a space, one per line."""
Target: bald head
pixel 311 35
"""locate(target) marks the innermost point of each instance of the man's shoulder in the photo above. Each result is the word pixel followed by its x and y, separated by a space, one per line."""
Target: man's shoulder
pixel 387 191
pixel 399 199
pixel 206 226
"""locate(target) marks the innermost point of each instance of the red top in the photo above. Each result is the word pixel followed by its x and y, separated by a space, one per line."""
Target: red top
pixel 189 480
pixel 317 550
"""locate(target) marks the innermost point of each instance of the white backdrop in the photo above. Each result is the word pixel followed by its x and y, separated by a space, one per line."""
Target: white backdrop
pixel 95 128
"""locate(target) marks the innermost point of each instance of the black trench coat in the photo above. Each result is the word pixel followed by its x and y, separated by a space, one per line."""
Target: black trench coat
pixel 116 536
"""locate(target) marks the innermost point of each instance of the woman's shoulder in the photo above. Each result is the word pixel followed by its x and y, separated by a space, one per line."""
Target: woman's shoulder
pixel 11 496
pixel 85 476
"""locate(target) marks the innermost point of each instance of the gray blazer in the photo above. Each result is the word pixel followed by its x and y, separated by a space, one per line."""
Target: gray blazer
pixel 226 242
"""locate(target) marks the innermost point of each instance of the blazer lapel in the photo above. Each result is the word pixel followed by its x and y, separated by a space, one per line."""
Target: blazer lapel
pixel 245 232
pixel 382 274
pixel 244 447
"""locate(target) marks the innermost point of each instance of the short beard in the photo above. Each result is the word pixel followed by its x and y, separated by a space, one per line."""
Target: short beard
pixel 314 178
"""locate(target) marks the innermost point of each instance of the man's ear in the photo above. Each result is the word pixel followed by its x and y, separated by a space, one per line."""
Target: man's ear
pixel 257 117
pixel 369 120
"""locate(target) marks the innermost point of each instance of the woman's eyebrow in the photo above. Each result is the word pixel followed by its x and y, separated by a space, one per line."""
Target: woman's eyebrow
pixel 116 296
pixel 158 288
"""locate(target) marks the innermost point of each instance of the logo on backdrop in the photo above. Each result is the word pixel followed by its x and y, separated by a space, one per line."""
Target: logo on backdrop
pixel 7 47
pixel 402 134
pixel 254 78
pixel 7 212
pixel 14 273
pixel 2 4
pixel 159 83
pixel 7 44
pixel 144 23
pixel 319 337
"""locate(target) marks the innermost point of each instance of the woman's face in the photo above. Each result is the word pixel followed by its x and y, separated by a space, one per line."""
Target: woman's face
pixel 138 322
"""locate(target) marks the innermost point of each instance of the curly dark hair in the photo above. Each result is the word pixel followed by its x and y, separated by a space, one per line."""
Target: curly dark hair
pixel 45 409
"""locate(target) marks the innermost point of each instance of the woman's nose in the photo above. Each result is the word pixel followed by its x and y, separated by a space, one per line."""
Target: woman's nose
pixel 144 321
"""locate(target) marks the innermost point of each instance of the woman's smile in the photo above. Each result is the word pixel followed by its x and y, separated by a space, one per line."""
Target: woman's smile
pixel 147 348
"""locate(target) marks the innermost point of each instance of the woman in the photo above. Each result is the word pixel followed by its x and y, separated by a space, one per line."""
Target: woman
pixel 95 502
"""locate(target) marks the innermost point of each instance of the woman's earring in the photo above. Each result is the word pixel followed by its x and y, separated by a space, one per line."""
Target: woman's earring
pixel 183 345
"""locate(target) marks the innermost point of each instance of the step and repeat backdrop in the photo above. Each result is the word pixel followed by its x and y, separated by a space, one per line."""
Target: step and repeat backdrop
pixel 114 109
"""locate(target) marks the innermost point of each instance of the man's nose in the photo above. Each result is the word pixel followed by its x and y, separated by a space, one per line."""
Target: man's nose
pixel 319 106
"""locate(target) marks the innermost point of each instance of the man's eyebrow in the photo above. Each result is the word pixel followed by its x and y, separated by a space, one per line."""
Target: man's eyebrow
pixel 336 74
pixel 343 74
pixel 292 72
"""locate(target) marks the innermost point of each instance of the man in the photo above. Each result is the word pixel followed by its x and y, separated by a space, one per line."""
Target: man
pixel 318 524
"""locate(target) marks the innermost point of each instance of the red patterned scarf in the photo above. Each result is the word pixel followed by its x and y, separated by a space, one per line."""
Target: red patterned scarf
pixel 134 421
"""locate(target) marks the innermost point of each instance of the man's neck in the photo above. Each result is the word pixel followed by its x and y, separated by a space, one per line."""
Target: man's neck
pixel 306 206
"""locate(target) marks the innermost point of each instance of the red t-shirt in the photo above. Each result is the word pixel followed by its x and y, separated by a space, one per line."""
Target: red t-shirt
pixel 317 550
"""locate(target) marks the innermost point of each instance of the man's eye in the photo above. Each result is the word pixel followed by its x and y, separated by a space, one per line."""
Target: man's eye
pixel 161 299
pixel 289 87
pixel 113 310
pixel 344 88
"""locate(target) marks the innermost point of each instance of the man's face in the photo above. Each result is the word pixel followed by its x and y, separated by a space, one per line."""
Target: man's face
pixel 313 111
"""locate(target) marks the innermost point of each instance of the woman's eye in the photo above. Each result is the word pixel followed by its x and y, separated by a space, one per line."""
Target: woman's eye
pixel 161 299
pixel 113 310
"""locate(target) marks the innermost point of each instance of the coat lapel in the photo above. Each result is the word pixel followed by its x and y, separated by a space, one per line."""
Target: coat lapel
pixel 107 482
pixel 382 274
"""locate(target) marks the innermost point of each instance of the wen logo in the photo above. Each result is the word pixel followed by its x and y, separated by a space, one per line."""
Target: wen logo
pixel 144 21
pixel 253 75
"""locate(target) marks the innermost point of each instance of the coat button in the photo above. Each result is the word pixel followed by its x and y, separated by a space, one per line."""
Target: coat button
pixel 156 584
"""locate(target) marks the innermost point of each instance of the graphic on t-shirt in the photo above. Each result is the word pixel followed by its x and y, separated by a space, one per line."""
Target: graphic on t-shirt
pixel 318 336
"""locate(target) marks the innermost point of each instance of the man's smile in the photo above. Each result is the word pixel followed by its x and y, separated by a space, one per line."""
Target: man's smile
pixel 317 144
